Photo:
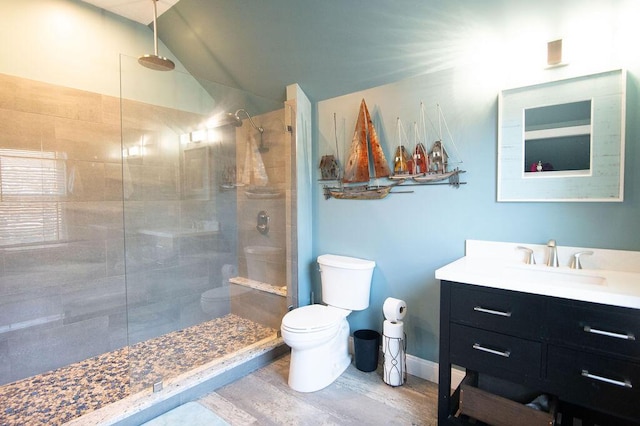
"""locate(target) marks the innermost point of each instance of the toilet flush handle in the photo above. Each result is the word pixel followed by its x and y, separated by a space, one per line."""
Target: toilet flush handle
pixel 263 222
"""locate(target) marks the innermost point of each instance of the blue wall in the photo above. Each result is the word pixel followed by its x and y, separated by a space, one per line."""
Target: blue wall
pixel 411 235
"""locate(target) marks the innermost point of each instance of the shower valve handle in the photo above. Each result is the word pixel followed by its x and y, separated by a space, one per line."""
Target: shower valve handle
pixel 263 222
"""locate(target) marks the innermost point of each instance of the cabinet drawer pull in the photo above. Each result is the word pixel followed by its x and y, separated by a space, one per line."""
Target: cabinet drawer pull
pixel 491 311
pixel 628 336
pixel 479 347
pixel 625 384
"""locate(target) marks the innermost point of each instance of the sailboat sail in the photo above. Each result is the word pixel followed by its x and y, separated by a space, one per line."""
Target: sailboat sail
pixel 380 165
pixel 356 168
pixel 365 139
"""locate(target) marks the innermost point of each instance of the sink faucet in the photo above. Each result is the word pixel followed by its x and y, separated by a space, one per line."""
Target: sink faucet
pixel 575 259
pixel 530 258
pixel 552 259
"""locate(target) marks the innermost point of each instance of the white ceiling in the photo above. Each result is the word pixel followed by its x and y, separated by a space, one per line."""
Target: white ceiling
pixel 136 10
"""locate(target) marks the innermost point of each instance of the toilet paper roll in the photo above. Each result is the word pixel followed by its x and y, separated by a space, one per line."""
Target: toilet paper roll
pixel 228 271
pixel 394 309
pixel 393 329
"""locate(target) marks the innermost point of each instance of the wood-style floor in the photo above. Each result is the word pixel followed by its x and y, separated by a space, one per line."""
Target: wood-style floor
pixel 355 398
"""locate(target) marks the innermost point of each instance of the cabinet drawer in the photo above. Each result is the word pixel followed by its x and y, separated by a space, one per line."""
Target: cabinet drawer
pixel 611 385
pixel 498 410
pixel 494 353
pixel 607 329
pixel 498 310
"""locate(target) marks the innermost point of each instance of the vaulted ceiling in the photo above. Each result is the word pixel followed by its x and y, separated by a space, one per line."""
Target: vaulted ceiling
pixel 329 47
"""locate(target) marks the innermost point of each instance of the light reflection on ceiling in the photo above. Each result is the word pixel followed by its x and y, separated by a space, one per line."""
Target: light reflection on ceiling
pixel 136 10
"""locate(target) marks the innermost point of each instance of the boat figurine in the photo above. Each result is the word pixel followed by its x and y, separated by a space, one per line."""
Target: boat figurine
pixel 329 168
pixel 420 159
pixel 438 158
pixel 402 160
pixel 420 156
pixel 365 146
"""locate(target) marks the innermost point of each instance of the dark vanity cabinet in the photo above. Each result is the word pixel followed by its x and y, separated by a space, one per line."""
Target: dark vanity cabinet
pixel 585 355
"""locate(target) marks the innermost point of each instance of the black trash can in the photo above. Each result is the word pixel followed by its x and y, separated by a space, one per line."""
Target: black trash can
pixel 365 345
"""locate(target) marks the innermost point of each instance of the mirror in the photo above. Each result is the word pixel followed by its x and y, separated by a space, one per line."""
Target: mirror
pixel 563 140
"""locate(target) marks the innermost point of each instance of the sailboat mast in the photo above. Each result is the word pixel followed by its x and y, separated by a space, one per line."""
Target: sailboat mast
pixel 439 122
pixel 335 133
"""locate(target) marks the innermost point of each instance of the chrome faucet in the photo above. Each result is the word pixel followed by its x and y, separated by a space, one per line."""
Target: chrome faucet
pixel 552 259
pixel 530 258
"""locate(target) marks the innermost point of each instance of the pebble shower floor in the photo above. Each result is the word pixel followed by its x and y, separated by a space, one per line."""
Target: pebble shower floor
pixel 58 396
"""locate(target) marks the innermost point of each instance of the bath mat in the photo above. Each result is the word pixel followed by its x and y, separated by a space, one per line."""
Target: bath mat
pixel 191 413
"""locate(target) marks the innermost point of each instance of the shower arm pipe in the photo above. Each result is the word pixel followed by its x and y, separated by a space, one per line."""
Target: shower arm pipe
pixel 155 27
pixel 258 128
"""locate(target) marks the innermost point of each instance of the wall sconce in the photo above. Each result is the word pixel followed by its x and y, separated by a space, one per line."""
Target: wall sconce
pixel 554 54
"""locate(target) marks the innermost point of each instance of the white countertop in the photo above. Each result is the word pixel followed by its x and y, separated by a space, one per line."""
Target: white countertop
pixel 501 265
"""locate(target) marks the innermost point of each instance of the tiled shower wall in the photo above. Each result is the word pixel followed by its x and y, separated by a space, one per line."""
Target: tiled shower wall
pixel 63 214
pixel 275 156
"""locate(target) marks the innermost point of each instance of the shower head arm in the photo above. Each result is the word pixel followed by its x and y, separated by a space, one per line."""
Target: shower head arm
pixel 155 27
pixel 258 128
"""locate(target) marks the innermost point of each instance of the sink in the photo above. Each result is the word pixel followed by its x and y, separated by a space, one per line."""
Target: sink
pixel 537 275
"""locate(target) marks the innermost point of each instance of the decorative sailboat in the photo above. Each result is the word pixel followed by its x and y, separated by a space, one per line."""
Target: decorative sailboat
pixel 406 165
pixel 365 142
pixel 329 164
pixel 420 156
pixel 438 162
pixel 402 161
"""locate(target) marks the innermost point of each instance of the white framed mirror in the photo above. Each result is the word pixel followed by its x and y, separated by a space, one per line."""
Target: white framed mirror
pixel 563 140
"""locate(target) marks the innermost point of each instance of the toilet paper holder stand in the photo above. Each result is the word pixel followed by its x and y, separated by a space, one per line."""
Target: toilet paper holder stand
pixel 394 364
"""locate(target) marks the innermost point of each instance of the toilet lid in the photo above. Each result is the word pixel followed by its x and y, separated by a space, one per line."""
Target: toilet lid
pixel 313 317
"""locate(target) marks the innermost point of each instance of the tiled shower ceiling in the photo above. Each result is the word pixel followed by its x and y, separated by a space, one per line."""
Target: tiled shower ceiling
pixel 136 10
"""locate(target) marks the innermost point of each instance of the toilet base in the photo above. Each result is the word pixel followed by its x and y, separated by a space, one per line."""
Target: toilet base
pixel 313 369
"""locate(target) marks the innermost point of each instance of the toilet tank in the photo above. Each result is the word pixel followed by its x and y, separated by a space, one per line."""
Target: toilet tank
pixel 346 281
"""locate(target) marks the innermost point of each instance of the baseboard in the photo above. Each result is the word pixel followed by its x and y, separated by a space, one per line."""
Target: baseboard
pixel 422 368
pixel 428 370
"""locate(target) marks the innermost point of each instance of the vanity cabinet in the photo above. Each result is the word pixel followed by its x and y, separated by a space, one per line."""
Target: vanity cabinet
pixel 585 354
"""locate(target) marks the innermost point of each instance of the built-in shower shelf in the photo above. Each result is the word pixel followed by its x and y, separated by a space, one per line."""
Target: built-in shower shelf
pixel 259 285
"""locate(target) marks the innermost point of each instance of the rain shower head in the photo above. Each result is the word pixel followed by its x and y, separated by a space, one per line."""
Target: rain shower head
pixel 155 62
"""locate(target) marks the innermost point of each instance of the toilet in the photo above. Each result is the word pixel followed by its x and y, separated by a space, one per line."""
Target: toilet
pixel 217 301
pixel 319 334
pixel 266 264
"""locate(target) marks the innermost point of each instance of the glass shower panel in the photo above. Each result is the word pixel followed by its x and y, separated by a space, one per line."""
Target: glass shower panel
pixel 62 292
pixel 183 215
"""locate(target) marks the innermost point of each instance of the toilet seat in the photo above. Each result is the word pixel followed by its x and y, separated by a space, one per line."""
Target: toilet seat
pixel 223 293
pixel 313 318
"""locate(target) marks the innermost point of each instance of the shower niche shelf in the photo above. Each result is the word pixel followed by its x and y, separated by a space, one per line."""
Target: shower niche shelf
pixel 258 285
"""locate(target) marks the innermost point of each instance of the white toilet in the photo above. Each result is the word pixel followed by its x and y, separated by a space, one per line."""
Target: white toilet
pixel 319 335
pixel 217 301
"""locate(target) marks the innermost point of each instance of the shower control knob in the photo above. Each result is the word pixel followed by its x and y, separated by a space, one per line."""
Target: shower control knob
pixel 263 222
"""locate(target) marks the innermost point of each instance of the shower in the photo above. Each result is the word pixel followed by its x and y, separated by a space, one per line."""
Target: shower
pixel 237 122
pixel 155 62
